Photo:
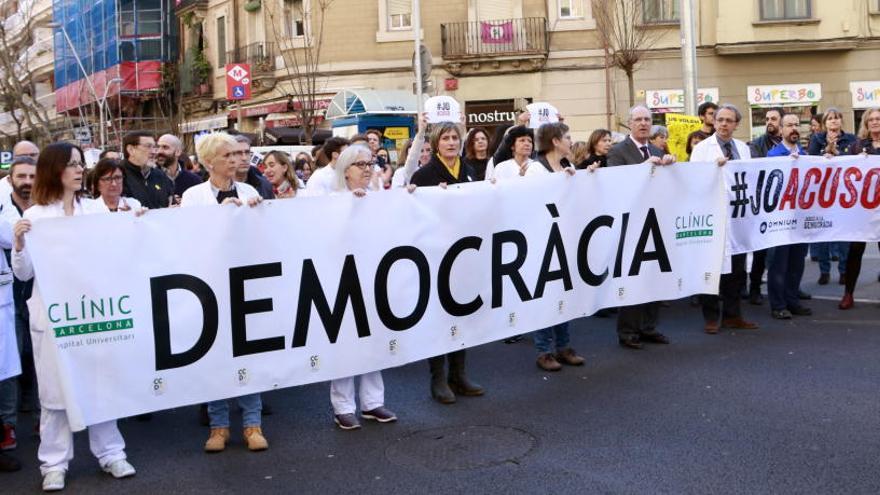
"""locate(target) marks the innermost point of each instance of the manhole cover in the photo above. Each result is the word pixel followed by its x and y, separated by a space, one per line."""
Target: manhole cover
pixel 461 447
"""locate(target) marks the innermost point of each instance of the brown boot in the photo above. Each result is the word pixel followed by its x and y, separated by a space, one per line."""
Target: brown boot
pixel 547 362
pixel 568 356
pixel 458 381
pixel 440 390
pixel 253 437
pixel 217 441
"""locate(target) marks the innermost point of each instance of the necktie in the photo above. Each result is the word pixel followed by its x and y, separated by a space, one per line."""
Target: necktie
pixel 728 150
pixel 645 154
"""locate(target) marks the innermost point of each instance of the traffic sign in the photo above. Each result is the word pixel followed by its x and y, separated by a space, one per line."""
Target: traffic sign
pixel 238 81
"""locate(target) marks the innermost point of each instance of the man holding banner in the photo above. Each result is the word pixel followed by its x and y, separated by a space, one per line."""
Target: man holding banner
pixel 721 147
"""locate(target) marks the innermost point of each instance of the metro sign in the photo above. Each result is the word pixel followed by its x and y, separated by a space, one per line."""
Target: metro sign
pixel 238 81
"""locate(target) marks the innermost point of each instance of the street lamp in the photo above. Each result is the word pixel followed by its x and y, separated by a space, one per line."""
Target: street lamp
pixel 58 25
pixel 102 105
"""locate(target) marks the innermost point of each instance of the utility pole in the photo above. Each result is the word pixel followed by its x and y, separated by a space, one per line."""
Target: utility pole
pixel 689 55
pixel 417 30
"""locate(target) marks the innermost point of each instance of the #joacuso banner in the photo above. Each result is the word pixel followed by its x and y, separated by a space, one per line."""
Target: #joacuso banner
pixel 780 201
pixel 189 305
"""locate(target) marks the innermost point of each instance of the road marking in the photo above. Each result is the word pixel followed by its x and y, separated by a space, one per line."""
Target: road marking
pixel 833 298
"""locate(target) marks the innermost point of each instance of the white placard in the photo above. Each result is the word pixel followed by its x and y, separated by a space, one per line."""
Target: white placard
pixel 542 113
pixel 442 109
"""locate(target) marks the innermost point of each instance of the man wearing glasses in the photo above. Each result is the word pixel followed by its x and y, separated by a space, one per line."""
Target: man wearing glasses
pixel 143 181
pixel 248 173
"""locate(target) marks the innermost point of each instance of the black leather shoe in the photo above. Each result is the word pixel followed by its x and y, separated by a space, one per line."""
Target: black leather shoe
pixel 801 311
pixel 630 342
pixel 756 298
pixel 824 279
pixel 803 295
pixel 654 338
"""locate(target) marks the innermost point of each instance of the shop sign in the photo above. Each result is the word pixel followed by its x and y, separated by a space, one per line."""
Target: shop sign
pixel 784 95
pixel 865 94
pixel 397 133
pixel 674 98
pixel 490 113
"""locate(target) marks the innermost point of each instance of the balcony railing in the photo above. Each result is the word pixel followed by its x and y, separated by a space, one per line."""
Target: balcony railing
pixel 260 56
pixel 180 5
pixel 463 40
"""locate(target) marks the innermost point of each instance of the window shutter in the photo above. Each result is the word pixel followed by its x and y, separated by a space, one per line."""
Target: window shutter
pixel 399 7
pixel 490 10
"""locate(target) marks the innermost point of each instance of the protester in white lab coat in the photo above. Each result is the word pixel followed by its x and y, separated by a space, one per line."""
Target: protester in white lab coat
pixel 322 180
pixel 56 193
pixel 106 183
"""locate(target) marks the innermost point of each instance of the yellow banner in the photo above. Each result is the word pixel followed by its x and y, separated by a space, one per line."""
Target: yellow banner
pixel 680 126
pixel 397 132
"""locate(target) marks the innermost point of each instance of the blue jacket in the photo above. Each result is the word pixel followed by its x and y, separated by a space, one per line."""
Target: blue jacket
pixel 781 150
pixel 845 143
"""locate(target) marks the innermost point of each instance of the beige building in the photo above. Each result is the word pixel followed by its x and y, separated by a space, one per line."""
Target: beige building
pixel 494 56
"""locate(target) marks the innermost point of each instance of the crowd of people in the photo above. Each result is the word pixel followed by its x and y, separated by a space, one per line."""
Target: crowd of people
pixel 149 173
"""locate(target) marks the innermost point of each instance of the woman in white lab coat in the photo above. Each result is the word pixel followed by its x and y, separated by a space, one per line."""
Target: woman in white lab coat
pixel 57 193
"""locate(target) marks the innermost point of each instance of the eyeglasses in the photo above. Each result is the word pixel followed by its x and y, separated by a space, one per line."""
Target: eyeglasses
pixel 75 164
pixel 29 155
pixel 111 179
pixel 363 165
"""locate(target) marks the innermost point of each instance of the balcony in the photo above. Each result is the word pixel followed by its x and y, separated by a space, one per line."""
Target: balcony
pixel 196 90
pixel 183 6
pixel 503 43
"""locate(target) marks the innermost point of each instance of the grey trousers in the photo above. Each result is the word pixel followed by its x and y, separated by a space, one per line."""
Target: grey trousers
pixel 640 319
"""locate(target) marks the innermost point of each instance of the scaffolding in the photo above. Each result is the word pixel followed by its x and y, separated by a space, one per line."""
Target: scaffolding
pixel 125 47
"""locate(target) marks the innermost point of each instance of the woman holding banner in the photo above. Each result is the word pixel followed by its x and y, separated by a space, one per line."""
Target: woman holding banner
pixel 869 144
pixel 57 192
pixel 218 153
pixel 446 168
pixel 354 173
pixel 520 143
pixel 107 177
pixel 597 150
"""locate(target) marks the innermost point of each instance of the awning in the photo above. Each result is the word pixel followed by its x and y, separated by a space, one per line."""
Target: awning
pixel 354 102
pixel 295 135
pixel 204 124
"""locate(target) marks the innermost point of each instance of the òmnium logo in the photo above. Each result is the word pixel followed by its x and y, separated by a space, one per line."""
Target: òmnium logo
pixel 87 316
pixel 817 222
pixel 778 225
pixel 694 225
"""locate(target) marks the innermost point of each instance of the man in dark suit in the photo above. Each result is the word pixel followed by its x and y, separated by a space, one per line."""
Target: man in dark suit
pixel 638 323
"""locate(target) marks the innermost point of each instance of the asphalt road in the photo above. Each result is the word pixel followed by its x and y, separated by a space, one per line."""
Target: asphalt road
pixel 790 408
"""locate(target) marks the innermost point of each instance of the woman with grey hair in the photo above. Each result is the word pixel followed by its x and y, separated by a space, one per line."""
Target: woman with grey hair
pixel 659 137
pixel 221 155
pixel 354 174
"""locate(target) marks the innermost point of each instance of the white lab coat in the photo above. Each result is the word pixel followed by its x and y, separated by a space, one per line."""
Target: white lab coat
pixel 203 194
pixel 709 150
pixel 509 169
pixel 321 182
pixel 10 362
pixel 43 342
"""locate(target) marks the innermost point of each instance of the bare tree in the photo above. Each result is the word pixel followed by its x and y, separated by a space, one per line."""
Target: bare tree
pixel 298 29
pixel 622 28
pixel 18 85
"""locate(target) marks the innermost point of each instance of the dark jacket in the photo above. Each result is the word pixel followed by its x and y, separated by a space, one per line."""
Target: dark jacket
pixel 601 160
pixel 542 159
pixel 478 165
pixel 845 143
pixel 185 180
pixel 759 147
pixel 627 153
pixel 256 180
pixel 153 191
pixel 435 173
pixel 865 146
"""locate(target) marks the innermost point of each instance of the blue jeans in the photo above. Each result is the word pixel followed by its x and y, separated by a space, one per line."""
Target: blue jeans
pixel 785 268
pixel 251 408
pixel 825 250
pixel 9 401
pixel 544 338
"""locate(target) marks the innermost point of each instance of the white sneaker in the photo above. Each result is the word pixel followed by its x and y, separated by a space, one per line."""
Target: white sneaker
pixel 120 469
pixel 53 481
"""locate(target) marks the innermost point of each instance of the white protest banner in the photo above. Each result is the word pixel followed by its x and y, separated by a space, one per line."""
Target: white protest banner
pixel 542 113
pixel 277 296
pixel 779 201
pixel 442 109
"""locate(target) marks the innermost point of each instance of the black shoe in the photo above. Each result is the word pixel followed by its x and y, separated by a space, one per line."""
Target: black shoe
pixel 804 296
pixel 782 314
pixel 824 279
pixel 756 298
pixel 8 463
pixel 630 342
pixel 204 419
pixel 801 311
pixel 654 338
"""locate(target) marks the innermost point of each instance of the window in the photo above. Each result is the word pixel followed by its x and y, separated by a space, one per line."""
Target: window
pixel 399 14
pixel 294 15
pixel 775 10
pixel 659 11
pixel 569 9
pixel 221 42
